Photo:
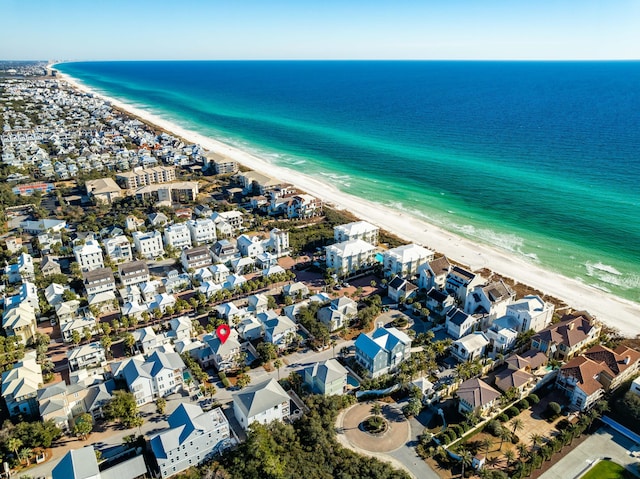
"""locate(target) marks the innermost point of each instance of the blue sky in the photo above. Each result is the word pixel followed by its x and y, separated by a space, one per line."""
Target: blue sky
pixel 319 29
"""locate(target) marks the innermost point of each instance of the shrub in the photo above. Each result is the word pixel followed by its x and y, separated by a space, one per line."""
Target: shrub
pixel 458 429
pixel 523 404
pixel 515 439
pixel 223 379
pixel 563 424
pixel 452 435
pixel 503 417
pixel 512 412
pixel 553 410
pixel 493 427
pixel 533 399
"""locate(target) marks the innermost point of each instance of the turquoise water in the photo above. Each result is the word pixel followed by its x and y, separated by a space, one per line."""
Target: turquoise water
pixel 539 159
pixel 351 381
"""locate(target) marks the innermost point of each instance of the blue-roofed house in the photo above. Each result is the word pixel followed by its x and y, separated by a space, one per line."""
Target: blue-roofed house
pixel 383 351
pixel 82 464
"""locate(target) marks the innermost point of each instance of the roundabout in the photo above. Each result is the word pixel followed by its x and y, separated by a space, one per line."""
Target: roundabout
pixel 375 433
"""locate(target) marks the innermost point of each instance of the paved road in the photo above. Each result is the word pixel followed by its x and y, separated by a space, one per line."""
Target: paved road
pixel 605 442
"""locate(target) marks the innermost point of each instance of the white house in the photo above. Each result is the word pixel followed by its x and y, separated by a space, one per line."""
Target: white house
pixel 118 249
pixel 278 242
pixel 54 292
pixel 257 303
pixel 86 356
pixel 531 312
pixel 470 347
pixel 405 260
pixel 89 255
pixel 27 293
pixel 148 379
pixel 21 270
pixel 399 288
pixel 490 300
pixel 177 236
pixel 357 230
pixel 202 230
pixel 460 282
pixel 264 402
pixel 149 244
pixel 280 331
pixel 195 258
pixel 98 280
pixel 502 339
pixel 338 313
pixel 193 437
pixel 135 272
pixel 434 273
pixel 350 256
pixel 250 246
pixel 460 324
pixel 224 355
pixel 227 219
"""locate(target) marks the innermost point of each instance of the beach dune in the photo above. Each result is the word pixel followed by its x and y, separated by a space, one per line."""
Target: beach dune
pixel 615 312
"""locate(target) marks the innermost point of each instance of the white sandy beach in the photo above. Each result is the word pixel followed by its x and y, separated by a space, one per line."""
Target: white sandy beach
pixel 613 311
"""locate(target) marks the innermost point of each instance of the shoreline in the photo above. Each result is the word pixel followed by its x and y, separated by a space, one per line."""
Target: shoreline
pixel 612 311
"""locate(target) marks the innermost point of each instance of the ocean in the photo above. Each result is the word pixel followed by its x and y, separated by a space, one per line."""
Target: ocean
pixel 541 159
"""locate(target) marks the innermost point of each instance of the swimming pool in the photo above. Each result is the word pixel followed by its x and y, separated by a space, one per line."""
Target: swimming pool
pixel 352 381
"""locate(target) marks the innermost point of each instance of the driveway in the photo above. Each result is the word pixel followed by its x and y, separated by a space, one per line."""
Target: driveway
pixel 605 442
pixel 397 449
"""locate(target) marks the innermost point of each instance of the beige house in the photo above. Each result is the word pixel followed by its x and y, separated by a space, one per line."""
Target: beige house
pixel 20 321
pixel 104 190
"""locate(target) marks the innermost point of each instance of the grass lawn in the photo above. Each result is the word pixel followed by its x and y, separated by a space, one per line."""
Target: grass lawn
pixel 607 470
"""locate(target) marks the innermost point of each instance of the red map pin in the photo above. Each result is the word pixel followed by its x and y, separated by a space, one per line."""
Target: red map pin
pixel 223 331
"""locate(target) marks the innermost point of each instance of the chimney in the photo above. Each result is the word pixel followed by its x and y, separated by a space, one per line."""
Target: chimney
pixel 627 359
pixel 571 325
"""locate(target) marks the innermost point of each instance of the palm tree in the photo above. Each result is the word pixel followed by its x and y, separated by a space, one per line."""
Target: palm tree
pixel 14 444
pixel 376 409
pixel 486 443
pixel 466 459
pixel 277 364
pixel 505 435
pixel 536 439
pixel 517 424
pixel 333 344
pixel 510 456
pixel 523 452
pixel 25 455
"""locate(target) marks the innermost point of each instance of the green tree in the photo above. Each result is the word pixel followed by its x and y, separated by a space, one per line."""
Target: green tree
pixel 266 351
pixel 75 337
pixel 122 408
pixel 376 409
pixel 161 405
pixel 413 408
pixel 86 333
pixel 83 426
pixel 243 380
pixel 517 424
